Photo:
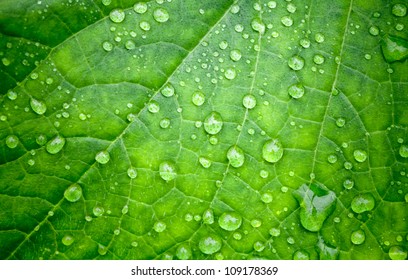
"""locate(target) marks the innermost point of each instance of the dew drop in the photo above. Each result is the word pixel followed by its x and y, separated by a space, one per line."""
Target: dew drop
pixel 340 122
pixel 230 73
pixel 272 151
pixel 153 107
pixel 230 221
pixel 348 184
pixel 256 223
pixel 272 4
pixel 167 171
pixel 296 91
pixel 360 155
pixel 249 101
pixel 223 45
pixel 235 55
pixel 206 163
pixel 164 123
pixel 399 10
pixel 275 232
pixel 38 106
pixel 236 156
pixel 12 141
pixel 140 7
pixel 132 172
pixel 102 157
pixel 98 211
pixel 213 123
pixel 168 90
pixel 235 9
pixel 210 244
pixel 296 62
pixel 12 95
pixel 259 246
pixel 374 30
pixel 305 43
pixel 291 8
pixel 117 15
pixel 258 25
pixel 266 198
pixel 332 158
pixel 397 253
pixel 198 98
pixel 183 252
pixel 159 227
pixel 362 203
pixel 357 237
pixel 301 255
pixel 287 21
pixel 403 151
pixel 55 145
pixel 394 48
pixel 67 240
pixel 102 250
pixel 263 173
pixel 208 217
pixel 161 15
pixel 318 59
pixel 73 193
pixel 319 38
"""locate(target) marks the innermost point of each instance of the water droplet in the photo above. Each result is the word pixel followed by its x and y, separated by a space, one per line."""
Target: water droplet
pixel 239 28
pixel 301 255
pixel 362 203
pixel 213 123
pixel 266 198
pixel 290 240
pixel 258 25
pixel 237 236
pixel 360 155
pixel 161 15
pixel 144 25
pixel 291 8
pixel 130 45
pixel 296 91
pixel 67 240
pixel 165 123
pixel 153 107
pixel 296 62
pixel 159 226
pixel 394 48
pixel 230 73
pixel 208 217
pixel 249 101
pixel 55 145
pixel 272 4
pixel 198 98
pixel 316 204
pixel 223 45
pixel 98 211
pixel 230 221
pixel 210 244
pixel 106 2
pixel 287 21
pixel 206 163
pixel 117 15
pixel 348 165
pixel 275 232
pixel 168 90
pixel 6 61
pixel 235 55
pixel 256 223
pixel 403 151
pixel 167 171
pixel 348 184
pixel 332 158
pixel 12 95
pixel 183 252
pixel 102 157
pixel 318 59
pixel 263 173
pixel 319 37
pixel 357 237
pixel 38 106
pixel 272 151
pixel 140 7
pixel 374 30
pixel 340 122
pixel 259 246
pixel 305 43
pixel 399 26
pixel 12 141
pixel 102 250
pixel 399 10
pixel 132 172
pixel 397 253
pixel 73 193
pixel 236 156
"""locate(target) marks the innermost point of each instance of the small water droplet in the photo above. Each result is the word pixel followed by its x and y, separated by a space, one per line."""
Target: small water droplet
pixel 263 173
pixel 272 4
pixel 12 95
pixel 296 91
pixel 235 55
pixel 144 25
pixel 140 7
pixel 318 59
pixel 153 107
pixel 206 163
pixel 258 25
pixel 340 122
pixel 249 101
pixel 290 240
pixel 67 240
pixel 403 151
pixel 272 151
pixel 360 155
pixel 394 48
pixel 305 43
pixel 374 30
pixel 332 158
pixel 256 223
pixel 399 10
pixel 259 246
pixel 223 45
pixel 117 15
pixel 102 157
pixel 198 98
pixel 230 73
pixel 132 172
pixel 102 250
pixel 183 252
pixel 348 184
pixel 168 90
pixel 159 227
pixel 161 15
pixel 213 123
pixel 397 253
pixel 164 123
pixel 319 38
pixel 230 221
pixel 301 255
pixel 167 171
pixel 73 193
pixel 236 156
pixel 266 198
pixel 287 21
pixel 38 106
pixel 55 145
pixel 275 232
pixel 208 217
pixel 98 211
pixel 235 9
pixel 357 237
pixel 210 244
pixel 362 203
pixel 12 141
pixel 296 62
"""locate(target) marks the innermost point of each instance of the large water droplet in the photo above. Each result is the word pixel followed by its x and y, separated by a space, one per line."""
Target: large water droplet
pixel 117 15
pixel 210 244
pixel 183 252
pixel 230 73
pixel 102 157
pixel 403 151
pixel 213 123
pixel 159 227
pixel 301 255
pixel 296 91
pixel 236 156
pixel 235 55
pixel 287 21
pixel 230 221
pixel 153 107
pixel 357 237
pixel 272 151
pixel 67 240
pixel 168 90
pixel 296 62
pixel 161 15
pixel 374 30
pixel 316 204
pixel 362 203
pixel 198 98
pixel 73 193
pixel 399 10
pixel 360 155
pixel 55 145
pixel 140 7
pixel 12 141
pixel 12 95
pixel 38 106
pixel 275 232
pixel 397 253
pixel 249 101
pixel 258 25
pixel 394 48
pixel 167 171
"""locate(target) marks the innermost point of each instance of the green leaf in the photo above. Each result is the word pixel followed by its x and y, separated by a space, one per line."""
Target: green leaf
pixel 203 129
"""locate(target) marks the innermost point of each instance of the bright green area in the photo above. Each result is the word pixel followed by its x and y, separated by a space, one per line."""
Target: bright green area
pixel 209 129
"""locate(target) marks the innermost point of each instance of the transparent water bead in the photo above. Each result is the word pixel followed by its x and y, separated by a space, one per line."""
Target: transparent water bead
pixel 357 237
pixel 230 221
pixel 161 15
pixel 249 101
pixel 213 123
pixel 73 193
pixel 55 145
pixel 12 141
pixel 167 171
pixel 102 157
pixel 362 203
pixel 296 91
pixel 117 15
pixel 140 7
pixel 210 244
pixel 296 62
pixel 38 106
pixel 236 156
pixel 272 151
